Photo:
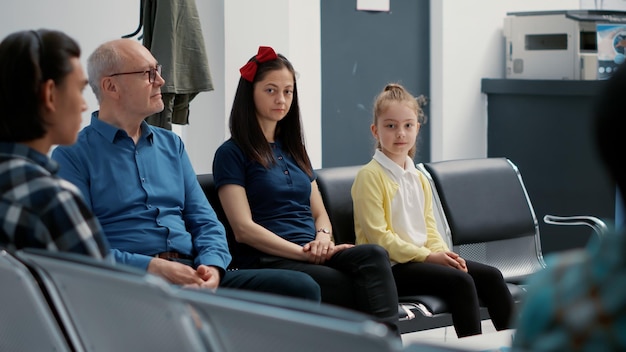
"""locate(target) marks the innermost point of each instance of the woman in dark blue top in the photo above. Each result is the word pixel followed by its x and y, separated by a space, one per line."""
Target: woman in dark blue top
pixel 267 188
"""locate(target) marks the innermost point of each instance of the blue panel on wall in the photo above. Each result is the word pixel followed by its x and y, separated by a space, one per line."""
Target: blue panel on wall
pixel 361 52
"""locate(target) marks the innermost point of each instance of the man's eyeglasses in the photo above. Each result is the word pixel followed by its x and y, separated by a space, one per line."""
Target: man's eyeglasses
pixel 152 72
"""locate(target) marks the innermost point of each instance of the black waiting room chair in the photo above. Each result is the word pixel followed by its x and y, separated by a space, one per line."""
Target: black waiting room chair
pixel 335 183
pixel 483 212
pixel 110 307
pixel 27 322
pixel 489 217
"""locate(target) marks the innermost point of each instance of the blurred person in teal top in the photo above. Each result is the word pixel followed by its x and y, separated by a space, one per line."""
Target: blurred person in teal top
pixel 579 302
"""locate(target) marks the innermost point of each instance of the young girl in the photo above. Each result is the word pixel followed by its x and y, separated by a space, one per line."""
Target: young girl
pixel 269 193
pixel 393 208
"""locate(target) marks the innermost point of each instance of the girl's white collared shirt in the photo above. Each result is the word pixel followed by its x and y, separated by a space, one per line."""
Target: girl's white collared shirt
pixel 407 206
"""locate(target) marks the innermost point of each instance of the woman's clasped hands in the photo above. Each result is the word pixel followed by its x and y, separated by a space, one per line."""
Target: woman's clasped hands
pixel 322 249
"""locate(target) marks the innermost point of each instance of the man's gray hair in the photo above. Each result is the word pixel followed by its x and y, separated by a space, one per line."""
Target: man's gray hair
pixel 104 61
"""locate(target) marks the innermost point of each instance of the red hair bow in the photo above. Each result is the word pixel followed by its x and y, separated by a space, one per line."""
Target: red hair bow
pixel 248 71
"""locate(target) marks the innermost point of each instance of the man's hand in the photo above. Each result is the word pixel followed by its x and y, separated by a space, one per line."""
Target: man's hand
pixel 184 275
pixel 210 276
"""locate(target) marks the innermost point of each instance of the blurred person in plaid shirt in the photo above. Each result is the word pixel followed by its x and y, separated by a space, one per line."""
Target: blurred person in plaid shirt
pixel 41 91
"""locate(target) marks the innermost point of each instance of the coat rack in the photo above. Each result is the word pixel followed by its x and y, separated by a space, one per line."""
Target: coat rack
pixel 141 4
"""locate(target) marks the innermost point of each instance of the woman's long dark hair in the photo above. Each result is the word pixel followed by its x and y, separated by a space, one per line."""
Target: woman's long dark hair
pixel 28 59
pixel 246 131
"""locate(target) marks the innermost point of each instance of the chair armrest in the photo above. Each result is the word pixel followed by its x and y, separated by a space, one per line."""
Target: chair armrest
pixel 404 313
pixel 417 306
pixel 598 226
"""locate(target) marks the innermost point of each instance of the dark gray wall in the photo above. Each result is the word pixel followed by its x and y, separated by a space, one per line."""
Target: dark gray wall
pixel 544 127
pixel 361 52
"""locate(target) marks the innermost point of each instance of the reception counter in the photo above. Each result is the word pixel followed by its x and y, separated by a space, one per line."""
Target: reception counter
pixel 544 127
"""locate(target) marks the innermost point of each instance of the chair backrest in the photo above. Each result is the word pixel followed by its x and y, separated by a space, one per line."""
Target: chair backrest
pixel 335 184
pixel 240 252
pixel 208 187
pixel 27 322
pixel 250 321
pixel 114 307
pixel 488 213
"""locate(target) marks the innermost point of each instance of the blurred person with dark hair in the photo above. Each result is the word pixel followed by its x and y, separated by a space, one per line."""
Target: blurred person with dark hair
pixel 41 92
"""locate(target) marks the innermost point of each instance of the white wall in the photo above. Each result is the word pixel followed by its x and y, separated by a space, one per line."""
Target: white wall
pixel 292 28
pixel 233 30
pixel 207 115
pixel 89 22
pixel 467 45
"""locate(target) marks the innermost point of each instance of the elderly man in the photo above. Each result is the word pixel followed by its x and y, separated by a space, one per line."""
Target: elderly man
pixel 139 182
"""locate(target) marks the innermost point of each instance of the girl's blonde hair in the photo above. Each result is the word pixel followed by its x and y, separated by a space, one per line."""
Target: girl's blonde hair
pixel 396 93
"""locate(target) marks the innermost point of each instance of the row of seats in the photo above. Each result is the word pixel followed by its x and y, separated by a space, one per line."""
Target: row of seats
pixel 483 211
pixel 65 302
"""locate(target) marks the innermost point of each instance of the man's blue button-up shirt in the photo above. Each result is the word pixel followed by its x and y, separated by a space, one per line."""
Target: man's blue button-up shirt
pixel 146 195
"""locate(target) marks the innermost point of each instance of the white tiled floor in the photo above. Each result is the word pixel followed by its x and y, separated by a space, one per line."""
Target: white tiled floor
pixel 444 334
